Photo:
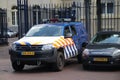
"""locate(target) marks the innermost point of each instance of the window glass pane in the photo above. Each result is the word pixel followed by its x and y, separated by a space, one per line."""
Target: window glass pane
pixel 109 7
pixel 73 30
pixel 0 26
pixel 34 17
pixel 13 18
pixel 16 18
pixel 66 31
pixel 103 7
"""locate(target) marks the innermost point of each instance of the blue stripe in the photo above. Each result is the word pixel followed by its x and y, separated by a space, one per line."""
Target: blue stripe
pixel 67 47
pixel 72 50
pixel 66 52
pixel 17 43
pixel 27 43
pixel 69 51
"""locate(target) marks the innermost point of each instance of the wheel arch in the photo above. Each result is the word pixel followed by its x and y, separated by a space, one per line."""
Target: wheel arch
pixel 61 49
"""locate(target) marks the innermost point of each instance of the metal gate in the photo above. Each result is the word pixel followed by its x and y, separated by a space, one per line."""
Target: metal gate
pixel 90 13
pixel 3 27
pixel 38 13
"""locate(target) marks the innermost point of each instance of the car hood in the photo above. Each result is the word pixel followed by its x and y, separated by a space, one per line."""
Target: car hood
pixel 102 49
pixel 36 40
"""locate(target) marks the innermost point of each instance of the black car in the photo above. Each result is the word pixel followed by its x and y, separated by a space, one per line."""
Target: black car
pixel 103 50
pixel 11 33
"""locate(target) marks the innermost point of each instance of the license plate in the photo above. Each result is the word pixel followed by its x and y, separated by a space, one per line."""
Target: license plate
pixel 101 59
pixel 28 53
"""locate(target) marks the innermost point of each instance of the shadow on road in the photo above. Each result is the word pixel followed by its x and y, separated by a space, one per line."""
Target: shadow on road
pixel 103 69
pixel 46 68
pixel 70 65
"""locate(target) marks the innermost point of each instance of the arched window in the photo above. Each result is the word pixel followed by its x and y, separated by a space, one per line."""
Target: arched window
pixel 36 14
pixel 14 15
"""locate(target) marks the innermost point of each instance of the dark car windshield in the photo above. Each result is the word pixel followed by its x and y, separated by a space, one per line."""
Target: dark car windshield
pixel 44 30
pixel 106 38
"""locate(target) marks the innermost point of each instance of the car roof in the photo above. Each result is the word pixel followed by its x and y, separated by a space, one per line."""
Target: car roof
pixel 63 24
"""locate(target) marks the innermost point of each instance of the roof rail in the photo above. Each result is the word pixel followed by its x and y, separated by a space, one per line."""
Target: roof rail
pixel 54 20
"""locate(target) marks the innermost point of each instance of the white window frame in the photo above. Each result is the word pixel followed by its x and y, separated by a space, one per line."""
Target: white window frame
pixel 106 6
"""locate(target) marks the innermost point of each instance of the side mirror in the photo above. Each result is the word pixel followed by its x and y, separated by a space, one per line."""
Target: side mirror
pixel 68 35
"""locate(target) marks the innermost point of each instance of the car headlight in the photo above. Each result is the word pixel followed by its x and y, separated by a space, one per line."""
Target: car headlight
pixel 13 46
pixel 85 53
pixel 116 54
pixel 47 47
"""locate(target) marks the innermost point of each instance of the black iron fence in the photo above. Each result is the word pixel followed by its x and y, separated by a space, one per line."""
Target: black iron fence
pixel 109 18
pixel 3 26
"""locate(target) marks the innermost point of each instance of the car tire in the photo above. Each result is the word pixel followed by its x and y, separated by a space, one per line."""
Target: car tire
pixel 79 58
pixel 17 67
pixel 60 61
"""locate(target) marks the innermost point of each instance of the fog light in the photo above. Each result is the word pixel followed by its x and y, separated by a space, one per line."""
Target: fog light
pixel 38 63
pixel 89 62
pixel 117 59
pixel 111 62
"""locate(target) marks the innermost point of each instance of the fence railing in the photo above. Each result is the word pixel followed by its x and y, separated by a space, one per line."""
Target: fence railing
pixel 3 26
pixel 29 15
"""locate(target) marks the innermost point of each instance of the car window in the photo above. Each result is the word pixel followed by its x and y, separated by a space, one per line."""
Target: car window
pixel 66 31
pixel 46 30
pixel 73 30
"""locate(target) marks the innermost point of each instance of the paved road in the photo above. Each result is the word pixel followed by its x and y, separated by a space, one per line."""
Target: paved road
pixel 72 71
pixel 4 49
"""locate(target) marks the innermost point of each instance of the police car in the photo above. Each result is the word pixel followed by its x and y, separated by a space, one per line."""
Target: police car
pixel 49 43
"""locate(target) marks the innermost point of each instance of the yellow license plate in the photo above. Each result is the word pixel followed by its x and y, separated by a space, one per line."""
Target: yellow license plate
pixel 101 59
pixel 28 53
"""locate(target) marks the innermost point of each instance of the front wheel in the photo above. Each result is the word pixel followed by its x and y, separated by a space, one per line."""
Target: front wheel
pixel 60 61
pixel 17 67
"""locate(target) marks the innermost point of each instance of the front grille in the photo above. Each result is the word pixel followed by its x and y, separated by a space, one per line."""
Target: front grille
pixel 29 48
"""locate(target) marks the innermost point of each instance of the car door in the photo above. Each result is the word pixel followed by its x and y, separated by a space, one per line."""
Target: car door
pixel 74 35
pixel 73 48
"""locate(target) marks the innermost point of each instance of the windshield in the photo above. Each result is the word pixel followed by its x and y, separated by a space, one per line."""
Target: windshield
pixel 44 30
pixel 106 38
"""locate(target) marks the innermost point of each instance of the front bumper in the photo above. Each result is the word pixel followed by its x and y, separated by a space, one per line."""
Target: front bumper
pixel 110 62
pixel 48 56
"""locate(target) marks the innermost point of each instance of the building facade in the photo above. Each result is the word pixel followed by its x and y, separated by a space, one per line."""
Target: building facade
pixel 110 12
pixel 10 5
